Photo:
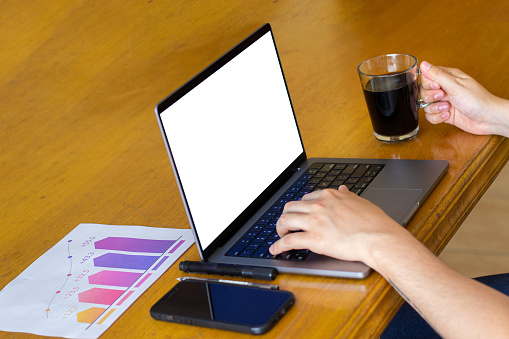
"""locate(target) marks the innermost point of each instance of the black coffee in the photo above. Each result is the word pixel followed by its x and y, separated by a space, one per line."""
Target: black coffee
pixel 392 104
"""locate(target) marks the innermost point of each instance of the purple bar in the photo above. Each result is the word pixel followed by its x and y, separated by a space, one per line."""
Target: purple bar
pixel 114 278
pixel 117 260
pixel 134 244
pixel 177 246
pixel 160 263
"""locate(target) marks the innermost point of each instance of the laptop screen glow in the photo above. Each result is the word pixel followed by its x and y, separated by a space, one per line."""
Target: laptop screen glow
pixel 231 136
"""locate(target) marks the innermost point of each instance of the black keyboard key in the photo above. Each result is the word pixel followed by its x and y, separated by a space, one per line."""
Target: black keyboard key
pixel 246 253
pixel 310 186
pixel 323 184
pixel 357 191
pixel 316 165
pixel 250 234
pixel 260 238
pixel 270 214
pixel 266 232
pixel 253 246
pixel 337 183
pixel 235 251
pixel 298 256
pixel 244 241
pixel 320 175
pixel 288 195
pixel 359 172
pixel 269 256
pixel 274 236
pixel 327 167
pixel 361 184
pixel 261 252
pixel 350 169
pixel 352 180
pixel 257 228
pixel 284 255
pixel 269 242
pixel 283 201
pixel 306 177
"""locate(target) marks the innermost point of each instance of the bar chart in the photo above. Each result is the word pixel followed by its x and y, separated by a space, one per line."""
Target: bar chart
pixel 139 256
pixel 89 278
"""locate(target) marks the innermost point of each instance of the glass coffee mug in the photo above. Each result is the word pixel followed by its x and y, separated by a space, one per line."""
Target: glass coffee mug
pixel 390 88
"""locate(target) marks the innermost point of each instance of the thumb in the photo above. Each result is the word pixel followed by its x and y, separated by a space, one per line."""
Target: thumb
pixel 445 77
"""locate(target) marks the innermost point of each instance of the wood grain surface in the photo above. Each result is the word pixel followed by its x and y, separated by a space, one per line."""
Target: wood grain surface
pixel 79 141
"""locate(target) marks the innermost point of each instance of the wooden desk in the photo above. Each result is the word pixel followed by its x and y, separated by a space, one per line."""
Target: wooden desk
pixel 80 143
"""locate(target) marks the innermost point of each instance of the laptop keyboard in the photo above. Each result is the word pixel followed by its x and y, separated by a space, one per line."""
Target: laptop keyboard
pixel 256 241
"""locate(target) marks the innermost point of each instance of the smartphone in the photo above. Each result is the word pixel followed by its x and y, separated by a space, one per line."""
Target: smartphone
pixel 223 306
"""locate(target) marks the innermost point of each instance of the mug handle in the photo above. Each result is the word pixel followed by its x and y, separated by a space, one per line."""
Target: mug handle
pixel 421 102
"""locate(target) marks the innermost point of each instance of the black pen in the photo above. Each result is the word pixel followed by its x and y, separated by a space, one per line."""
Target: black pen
pixel 255 272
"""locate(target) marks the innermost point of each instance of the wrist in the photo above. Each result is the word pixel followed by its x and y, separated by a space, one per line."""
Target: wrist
pixel 500 114
pixel 384 248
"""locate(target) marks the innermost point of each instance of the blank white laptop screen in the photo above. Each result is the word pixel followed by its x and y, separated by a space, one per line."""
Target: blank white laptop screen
pixel 231 136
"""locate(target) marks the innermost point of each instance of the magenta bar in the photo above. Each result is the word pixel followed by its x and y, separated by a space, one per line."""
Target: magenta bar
pixel 134 244
pixel 177 246
pixel 114 278
pixel 101 296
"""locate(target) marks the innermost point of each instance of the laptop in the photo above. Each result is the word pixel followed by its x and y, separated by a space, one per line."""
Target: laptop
pixel 238 157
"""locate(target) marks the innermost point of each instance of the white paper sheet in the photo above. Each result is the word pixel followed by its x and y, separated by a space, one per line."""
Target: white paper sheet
pixel 79 287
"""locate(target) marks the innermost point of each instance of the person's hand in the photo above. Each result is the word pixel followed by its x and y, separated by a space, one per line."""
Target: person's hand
pixel 336 223
pixel 462 101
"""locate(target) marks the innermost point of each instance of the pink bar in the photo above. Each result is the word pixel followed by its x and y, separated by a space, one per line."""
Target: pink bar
pixel 124 298
pixel 143 280
pixel 101 296
pixel 114 278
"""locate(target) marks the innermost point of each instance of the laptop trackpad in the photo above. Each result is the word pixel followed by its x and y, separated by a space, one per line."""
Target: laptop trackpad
pixel 398 203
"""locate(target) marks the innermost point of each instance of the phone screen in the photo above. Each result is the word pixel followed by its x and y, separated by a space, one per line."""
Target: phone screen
pixel 225 306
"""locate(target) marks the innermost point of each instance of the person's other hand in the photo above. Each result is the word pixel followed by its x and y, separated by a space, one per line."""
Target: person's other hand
pixel 461 101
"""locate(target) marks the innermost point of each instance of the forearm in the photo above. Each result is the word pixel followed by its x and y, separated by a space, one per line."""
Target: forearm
pixel 454 305
pixel 501 112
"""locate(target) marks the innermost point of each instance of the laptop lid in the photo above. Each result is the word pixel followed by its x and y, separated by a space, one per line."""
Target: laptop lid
pixel 232 137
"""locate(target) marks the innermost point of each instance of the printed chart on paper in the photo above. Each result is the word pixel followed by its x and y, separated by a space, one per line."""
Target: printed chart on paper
pixel 79 287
